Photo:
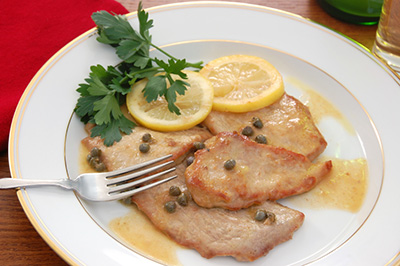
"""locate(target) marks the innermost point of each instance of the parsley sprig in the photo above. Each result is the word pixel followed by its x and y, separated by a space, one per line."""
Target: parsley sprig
pixel 104 92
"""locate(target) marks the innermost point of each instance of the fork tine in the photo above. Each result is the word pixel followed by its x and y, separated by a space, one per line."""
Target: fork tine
pixel 125 186
pixel 126 194
pixel 115 180
pixel 137 166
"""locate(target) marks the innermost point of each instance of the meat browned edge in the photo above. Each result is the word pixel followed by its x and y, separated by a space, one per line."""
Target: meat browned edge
pixel 262 172
pixel 287 123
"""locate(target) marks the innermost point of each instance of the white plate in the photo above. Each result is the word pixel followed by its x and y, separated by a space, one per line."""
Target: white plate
pixel 44 138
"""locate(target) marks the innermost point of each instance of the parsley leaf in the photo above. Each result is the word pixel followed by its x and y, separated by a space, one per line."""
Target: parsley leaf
pixel 155 88
pixel 111 132
pixel 100 101
pixel 107 108
pixel 104 92
pixel 179 87
pixel 144 23
pixel 111 28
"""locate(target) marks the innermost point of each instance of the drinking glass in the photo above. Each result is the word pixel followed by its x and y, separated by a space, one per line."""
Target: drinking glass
pixel 387 42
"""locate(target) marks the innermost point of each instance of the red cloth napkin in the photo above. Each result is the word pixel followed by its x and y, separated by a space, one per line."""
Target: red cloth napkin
pixel 31 32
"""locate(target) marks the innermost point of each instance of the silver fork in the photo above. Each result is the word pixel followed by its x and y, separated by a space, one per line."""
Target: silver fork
pixel 115 185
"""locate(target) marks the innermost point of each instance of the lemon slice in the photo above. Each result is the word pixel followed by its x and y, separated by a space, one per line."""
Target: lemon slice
pixel 243 83
pixel 194 106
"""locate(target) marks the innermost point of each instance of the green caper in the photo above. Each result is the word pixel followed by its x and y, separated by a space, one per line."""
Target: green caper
pixel 247 131
pixel 144 147
pixel 99 167
pixel 95 152
pixel 229 164
pixel 170 206
pixel 93 161
pixel 174 191
pixel 261 215
pixel 199 145
pixel 146 137
pixel 261 139
pixel 189 160
pixel 183 199
pixel 257 123
pixel 271 217
pixel 127 201
pixel 89 157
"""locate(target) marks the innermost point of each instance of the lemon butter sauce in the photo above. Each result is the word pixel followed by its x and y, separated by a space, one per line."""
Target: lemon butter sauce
pixel 138 231
pixel 345 187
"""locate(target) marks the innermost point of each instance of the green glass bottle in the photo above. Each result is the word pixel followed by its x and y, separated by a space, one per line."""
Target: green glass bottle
pixel 364 12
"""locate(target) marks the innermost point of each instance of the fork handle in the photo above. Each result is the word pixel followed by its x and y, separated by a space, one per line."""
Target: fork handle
pixel 6 183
